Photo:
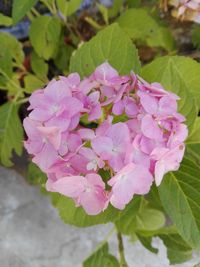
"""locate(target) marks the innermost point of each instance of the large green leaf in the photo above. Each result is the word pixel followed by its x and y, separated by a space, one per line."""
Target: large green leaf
pixel 20 8
pixel 178 250
pixel 146 242
pixel 101 258
pixel 124 219
pixel 11 133
pixel 141 26
pixel 179 75
pixel 180 196
pixel 45 32
pixel 193 152
pixel 194 137
pixel 137 217
pixel 126 224
pixel 71 214
pixel 110 44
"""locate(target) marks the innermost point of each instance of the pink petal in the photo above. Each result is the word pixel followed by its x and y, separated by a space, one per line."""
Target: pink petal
pixel 72 107
pixel 86 134
pixel 102 146
pixel 46 157
pixel 95 113
pixel 118 108
pixel 70 186
pixel 52 134
pixel 104 73
pixel 150 128
pixel 57 90
pixel 149 103
pixel 119 133
pixel 167 106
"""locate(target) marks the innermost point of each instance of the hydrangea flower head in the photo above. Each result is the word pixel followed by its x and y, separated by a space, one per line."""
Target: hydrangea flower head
pixel 121 125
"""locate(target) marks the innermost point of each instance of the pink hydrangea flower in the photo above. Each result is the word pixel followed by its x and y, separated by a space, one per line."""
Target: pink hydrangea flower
pixel 132 179
pixel 88 191
pixel 120 124
pixel 112 145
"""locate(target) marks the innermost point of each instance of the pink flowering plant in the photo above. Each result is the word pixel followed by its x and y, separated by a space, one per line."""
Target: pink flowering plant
pixel 133 132
pixel 105 141
pixel 107 109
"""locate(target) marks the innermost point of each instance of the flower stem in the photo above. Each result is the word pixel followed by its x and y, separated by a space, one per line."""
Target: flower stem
pixel 121 250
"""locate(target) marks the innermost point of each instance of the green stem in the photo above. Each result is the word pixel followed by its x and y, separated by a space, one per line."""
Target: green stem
pixel 22 101
pixel 30 16
pixel 35 12
pixel 121 250
pixel 51 9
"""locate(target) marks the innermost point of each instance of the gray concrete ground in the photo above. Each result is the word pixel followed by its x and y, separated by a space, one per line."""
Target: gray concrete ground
pixel 32 235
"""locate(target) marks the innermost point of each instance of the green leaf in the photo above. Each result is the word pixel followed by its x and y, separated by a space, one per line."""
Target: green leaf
pixel 138 217
pixel 153 198
pixel 141 26
pixel 13 85
pixel 126 224
pixel 193 152
pixel 11 54
pixel 179 75
pixel 178 250
pixel 68 7
pixel 20 8
pixel 34 175
pixel 196 35
pixel 135 219
pixel 11 133
pixel 197 265
pixel 101 258
pixel 149 219
pixel 194 137
pixel 5 21
pixel 39 66
pixel 146 242
pixel 71 214
pixel 118 50
pixel 13 47
pixel 180 196
pixel 46 38
pixel 63 57
pixel 5 66
pixel 32 83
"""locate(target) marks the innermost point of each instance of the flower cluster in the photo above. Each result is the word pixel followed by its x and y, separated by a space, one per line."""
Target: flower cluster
pixel 121 126
pixel 186 9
